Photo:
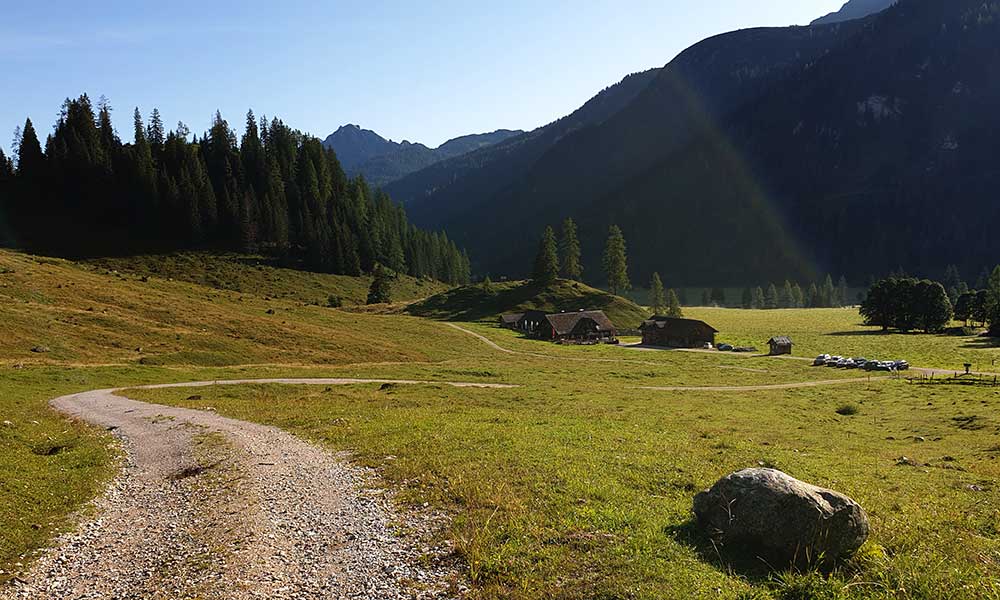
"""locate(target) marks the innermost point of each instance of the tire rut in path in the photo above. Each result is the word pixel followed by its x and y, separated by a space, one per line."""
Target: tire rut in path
pixel 213 507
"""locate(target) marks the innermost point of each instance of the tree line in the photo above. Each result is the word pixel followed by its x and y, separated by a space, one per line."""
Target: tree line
pixel 561 258
pixel 275 190
pixel 791 295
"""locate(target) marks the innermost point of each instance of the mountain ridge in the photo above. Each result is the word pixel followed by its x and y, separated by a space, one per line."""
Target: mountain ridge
pixel 854 9
pixel 381 161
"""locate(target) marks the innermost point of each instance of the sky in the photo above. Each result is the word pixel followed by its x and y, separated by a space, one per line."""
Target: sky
pixel 419 71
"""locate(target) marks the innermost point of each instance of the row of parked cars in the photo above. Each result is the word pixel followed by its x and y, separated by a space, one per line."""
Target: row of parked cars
pixel 839 362
pixel 731 348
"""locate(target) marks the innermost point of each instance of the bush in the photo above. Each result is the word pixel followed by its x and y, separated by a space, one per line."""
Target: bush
pixel 848 410
pixel 334 301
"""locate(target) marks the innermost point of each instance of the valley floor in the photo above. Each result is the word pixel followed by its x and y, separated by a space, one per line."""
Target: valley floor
pixel 568 472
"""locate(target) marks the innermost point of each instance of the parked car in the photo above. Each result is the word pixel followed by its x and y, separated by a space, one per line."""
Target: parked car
pixel 725 347
pixel 707 346
pixel 901 365
pixel 833 361
pixel 871 365
pixel 850 363
pixel 821 360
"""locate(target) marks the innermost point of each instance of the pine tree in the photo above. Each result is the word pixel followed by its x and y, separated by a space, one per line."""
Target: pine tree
pixel 616 262
pixel 658 299
pixel 759 301
pixel 155 133
pixel 569 251
pixel 380 292
pixel 547 260
pixel 673 305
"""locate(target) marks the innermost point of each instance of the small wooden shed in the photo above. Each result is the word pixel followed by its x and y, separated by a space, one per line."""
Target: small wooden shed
pixel 781 344
pixel 510 321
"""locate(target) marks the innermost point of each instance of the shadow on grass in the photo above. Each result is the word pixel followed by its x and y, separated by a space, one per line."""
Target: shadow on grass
pixel 751 564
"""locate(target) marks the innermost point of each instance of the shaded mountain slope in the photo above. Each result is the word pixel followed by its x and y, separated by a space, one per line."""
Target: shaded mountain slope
pixel 499 212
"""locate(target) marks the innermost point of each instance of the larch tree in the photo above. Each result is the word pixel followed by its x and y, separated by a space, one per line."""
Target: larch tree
pixel 569 251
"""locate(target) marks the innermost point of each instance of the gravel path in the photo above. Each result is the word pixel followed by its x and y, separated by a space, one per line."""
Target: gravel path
pixel 211 507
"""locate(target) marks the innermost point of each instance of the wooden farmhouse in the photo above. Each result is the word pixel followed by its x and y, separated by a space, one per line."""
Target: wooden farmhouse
pixel 669 332
pixel 510 321
pixel 582 327
pixel 531 321
pixel 781 344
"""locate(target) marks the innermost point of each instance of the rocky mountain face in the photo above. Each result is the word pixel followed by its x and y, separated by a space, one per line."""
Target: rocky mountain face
pixel 381 161
pixel 855 9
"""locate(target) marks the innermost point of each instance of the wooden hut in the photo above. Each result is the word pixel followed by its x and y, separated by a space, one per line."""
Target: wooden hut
pixel 781 344
pixel 510 321
pixel 669 332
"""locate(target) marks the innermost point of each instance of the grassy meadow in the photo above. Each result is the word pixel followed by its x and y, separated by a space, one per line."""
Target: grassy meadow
pixel 840 331
pixel 576 484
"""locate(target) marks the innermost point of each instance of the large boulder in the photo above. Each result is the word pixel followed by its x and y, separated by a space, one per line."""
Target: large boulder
pixel 781 518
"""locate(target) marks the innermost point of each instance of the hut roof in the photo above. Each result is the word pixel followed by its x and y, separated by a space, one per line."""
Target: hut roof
pixel 780 340
pixel 564 323
pixel 681 326
pixel 512 318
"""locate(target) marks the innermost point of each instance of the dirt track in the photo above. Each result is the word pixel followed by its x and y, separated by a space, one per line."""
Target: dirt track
pixel 213 507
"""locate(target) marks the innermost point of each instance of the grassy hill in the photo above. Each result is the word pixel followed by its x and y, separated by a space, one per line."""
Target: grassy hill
pixel 256 274
pixel 474 302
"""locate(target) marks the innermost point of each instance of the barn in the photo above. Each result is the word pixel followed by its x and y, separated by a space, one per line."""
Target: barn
pixel 584 327
pixel 781 344
pixel 671 332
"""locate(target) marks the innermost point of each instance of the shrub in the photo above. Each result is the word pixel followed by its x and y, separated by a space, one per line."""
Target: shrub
pixel 334 301
pixel 848 410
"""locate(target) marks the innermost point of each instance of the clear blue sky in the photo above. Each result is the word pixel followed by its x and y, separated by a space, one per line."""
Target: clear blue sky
pixel 422 71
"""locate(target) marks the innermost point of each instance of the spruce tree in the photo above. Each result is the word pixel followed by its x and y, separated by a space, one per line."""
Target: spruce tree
pixel 787 295
pixel 546 268
pixel 674 305
pixel 771 300
pixel 379 292
pixel 798 298
pixel 828 293
pixel 657 298
pixel 569 251
pixel 843 292
pixel 813 298
pixel 616 262
pixel 759 301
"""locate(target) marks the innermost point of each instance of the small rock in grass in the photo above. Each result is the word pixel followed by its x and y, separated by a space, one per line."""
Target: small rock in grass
pixel 40 349
pixel 8 424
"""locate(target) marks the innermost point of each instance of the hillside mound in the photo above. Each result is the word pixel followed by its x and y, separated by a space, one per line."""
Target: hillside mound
pixel 474 302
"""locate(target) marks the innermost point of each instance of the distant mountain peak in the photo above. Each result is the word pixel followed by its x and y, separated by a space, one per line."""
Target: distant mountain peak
pixel 381 161
pixel 855 9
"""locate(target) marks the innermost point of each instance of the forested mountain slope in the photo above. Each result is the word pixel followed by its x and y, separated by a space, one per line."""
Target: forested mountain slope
pixel 467 182
pixel 499 206
pixel 881 154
